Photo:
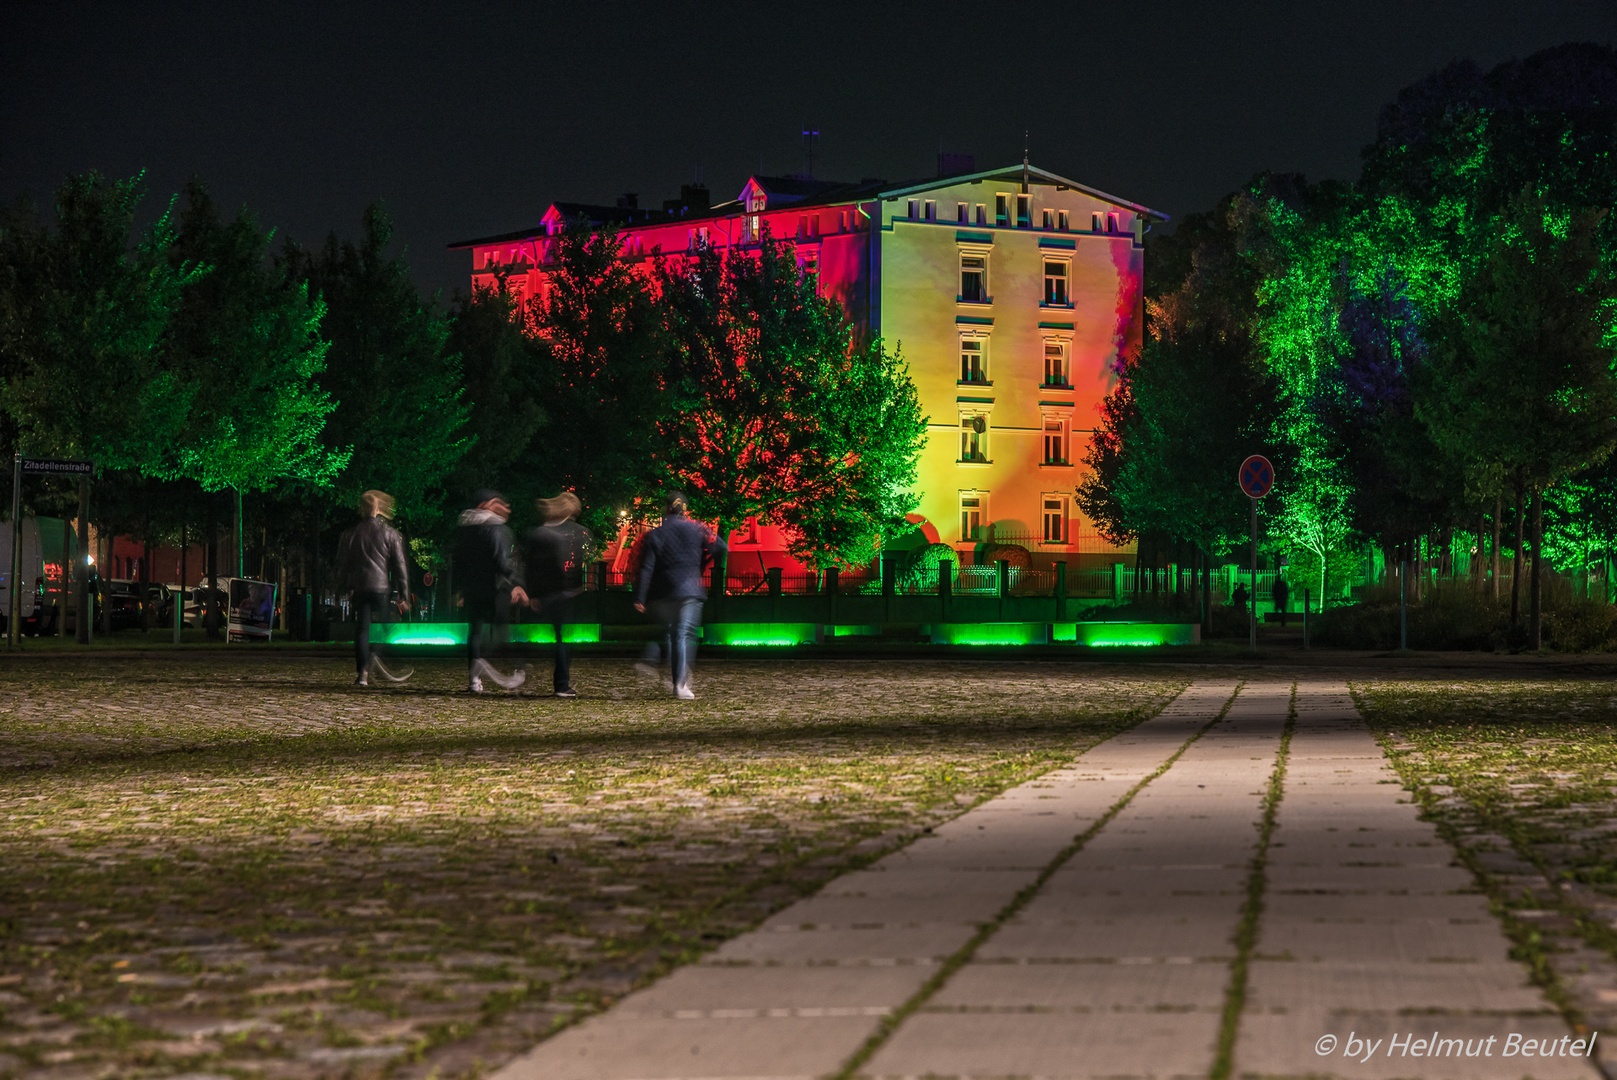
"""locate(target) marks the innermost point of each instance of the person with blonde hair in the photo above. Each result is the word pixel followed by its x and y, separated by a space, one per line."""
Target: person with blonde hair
pixel 371 565
pixel 556 559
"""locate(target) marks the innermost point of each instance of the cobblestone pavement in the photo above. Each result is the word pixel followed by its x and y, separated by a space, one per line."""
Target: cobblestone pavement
pixel 1521 777
pixel 220 866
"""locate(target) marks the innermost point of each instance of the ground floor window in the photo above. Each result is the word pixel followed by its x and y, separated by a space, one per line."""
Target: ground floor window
pixel 973 504
pixel 1055 519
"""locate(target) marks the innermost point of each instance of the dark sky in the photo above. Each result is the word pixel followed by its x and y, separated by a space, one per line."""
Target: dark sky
pixel 469 117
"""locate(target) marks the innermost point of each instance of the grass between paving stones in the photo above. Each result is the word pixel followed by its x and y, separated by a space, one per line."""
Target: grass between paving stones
pixel 890 1023
pixel 1518 777
pixel 249 868
pixel 1257 884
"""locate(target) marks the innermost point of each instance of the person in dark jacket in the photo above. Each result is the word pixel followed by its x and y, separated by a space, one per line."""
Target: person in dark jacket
pixel 488 580
pixel 371 566
pixel 556 564
pixel 673 559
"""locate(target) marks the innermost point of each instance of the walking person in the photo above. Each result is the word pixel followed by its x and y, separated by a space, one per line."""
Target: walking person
pixel 670 582
pixel 371 566
pixel 489 583
pixel 555 564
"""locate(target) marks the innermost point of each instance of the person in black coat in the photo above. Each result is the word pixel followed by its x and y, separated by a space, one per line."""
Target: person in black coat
pixel 673 558
pixel 489 582
pixel 555 564
pixel 371 565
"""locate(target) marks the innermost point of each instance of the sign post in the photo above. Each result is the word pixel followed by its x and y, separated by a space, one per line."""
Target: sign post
pixel 1257 479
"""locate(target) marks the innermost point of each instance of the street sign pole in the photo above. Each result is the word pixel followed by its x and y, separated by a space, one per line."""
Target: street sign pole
pixel 16 552
pixel 1256 478
pixel 1252 623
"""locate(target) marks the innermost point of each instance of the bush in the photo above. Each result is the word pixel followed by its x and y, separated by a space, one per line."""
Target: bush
pixel 1456 617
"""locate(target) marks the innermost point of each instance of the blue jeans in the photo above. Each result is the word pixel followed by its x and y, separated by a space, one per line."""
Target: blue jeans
pixel 680 618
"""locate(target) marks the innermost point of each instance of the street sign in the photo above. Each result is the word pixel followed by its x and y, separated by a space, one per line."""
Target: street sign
pixel 57 466
pixel 429 579
pixel 1257 476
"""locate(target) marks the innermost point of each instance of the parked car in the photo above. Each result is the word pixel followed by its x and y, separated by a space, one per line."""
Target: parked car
pixel 128 609
pixel 196 603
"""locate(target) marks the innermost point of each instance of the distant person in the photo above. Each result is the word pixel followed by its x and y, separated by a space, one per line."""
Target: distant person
pixel 371 566
pixel 1239 596
pixel 1282 596
pixel 489 583
pixel 670 581
pixel 556 563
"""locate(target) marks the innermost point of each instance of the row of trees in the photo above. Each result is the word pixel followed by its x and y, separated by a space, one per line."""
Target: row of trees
pixel 1427 355
pixel 197 363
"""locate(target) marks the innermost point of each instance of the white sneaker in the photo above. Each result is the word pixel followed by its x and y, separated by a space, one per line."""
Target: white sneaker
pixel 684 692
pixel 474 685
pixel 381 669
pixel 361 680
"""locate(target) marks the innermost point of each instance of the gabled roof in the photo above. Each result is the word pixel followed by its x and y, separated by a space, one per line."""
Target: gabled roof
pixel 1016 172
pixel 567 211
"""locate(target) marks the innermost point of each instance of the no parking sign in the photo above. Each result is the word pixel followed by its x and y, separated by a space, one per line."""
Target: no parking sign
pixel 1256 477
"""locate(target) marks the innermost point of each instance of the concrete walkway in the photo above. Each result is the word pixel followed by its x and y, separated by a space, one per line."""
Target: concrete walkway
pixel 1373 935
pixel 1120 963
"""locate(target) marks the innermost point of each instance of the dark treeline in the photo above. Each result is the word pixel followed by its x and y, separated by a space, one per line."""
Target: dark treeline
pixel 1427 355
pixel 204 367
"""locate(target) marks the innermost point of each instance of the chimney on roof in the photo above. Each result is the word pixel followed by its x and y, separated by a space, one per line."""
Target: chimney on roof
pixel 693 199
pixel 628 201
pixel 951 163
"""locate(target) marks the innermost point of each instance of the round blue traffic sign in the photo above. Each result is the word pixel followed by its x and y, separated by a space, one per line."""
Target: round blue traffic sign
pixel 1257 476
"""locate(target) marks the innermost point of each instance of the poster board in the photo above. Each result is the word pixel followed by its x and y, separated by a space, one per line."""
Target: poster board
pixel 252 610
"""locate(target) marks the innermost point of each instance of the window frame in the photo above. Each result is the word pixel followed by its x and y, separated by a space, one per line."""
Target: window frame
pixel 971 342
pixel 1061 514
pixel 1002 210
pixel 984 296
pixel 972 501
pixel 974 446
pixel 1063 280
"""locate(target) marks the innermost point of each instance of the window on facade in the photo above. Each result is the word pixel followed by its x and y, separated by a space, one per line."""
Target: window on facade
pixel 971 517
pixel 931 210
pixel 1049 220
pixel 912 207
pixel 982 214
pixel 1002 210
pixel 1055 364
pixel 973 279
pixel 1024 211
pixel 842 221
pixel 973 368
pixel 1055 520
pixel 1055 283
pixel 974 438
pixel 1055 443
pixel 1094 223
pixel 962 212
pixel 1111 222
pixel 1062 222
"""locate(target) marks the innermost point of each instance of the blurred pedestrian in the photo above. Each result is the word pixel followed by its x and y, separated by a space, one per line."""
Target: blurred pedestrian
pixel 1282 594
pixel 1239 596
pixel 670 581
pixel 489 584
pixel 371 567
pixel 555 565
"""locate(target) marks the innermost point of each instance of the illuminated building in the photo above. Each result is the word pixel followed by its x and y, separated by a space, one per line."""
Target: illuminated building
pixel 1010 292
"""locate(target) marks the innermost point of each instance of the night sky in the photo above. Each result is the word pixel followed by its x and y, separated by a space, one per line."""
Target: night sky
pixel 469 118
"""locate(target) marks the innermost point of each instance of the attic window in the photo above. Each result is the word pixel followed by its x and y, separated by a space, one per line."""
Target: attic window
pixel 962 212
pixel 1094 223
pixel 1061 221
pixel 913 210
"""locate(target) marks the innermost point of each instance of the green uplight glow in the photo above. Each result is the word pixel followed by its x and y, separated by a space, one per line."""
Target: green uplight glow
pixel 455 633
pixel 1105 634
pixel 990 633
pixel 760 633
pixel 545 634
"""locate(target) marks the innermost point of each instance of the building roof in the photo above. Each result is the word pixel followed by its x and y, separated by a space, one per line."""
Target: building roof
pixel 799 191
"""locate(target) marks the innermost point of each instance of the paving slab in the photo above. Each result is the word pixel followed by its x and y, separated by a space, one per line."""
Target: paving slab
pixel 798 996
pixel 1373 938
pixel 1118 966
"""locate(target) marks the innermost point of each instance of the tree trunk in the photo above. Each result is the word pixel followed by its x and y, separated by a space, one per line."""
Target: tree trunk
pixel 211 618
pixel 1516 565
pixel 1482 551
pixel 1498 523
pixel 1536 638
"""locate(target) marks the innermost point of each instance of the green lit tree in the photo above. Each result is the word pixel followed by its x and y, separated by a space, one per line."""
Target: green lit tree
pixel 1524 372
